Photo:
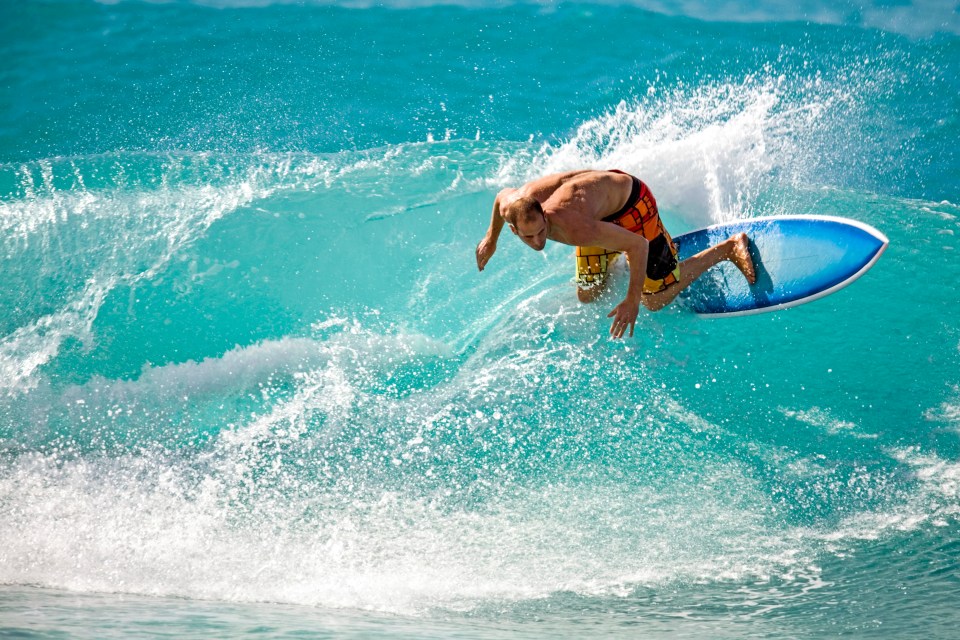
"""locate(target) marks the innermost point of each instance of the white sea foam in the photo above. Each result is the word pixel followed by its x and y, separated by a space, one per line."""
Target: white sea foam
pixel 823 418
pixel 237 369
pixel 707 152
pixel 933 499
pixel 306 502
pixel 137 526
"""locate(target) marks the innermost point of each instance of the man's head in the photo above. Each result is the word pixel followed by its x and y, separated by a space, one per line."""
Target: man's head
pixel 527 221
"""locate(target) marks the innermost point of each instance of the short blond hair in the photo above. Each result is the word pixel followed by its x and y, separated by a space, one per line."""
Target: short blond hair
pixel 522 209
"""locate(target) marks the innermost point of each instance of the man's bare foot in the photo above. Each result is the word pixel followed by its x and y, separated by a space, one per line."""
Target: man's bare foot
pixel 740 256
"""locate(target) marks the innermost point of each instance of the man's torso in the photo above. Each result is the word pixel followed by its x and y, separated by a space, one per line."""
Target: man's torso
pixel 576 199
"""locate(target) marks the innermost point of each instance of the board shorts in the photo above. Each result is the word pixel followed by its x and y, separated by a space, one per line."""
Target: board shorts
pixel 640 216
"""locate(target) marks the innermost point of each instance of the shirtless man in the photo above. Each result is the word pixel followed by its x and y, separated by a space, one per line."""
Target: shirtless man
pixel 603 214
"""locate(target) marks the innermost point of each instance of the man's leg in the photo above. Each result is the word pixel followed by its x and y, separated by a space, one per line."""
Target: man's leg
pixel 736 249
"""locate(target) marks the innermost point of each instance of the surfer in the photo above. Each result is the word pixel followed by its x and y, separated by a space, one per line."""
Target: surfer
pixel 604 214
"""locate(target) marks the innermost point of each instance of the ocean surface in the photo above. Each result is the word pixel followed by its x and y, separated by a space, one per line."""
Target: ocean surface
pixel 252 383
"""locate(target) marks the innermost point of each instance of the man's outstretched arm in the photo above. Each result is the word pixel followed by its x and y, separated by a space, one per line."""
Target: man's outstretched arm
pixel 488 245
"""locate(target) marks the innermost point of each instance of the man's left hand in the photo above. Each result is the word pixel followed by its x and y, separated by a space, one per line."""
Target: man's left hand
pixel 624 315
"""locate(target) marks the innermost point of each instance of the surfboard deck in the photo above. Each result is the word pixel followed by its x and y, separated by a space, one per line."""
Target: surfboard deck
pixel 798 259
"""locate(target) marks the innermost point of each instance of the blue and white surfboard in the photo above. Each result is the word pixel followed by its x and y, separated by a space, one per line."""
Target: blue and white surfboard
pixel 798 259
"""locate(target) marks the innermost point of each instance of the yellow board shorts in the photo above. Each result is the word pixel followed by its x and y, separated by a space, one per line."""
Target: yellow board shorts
pixel 640 216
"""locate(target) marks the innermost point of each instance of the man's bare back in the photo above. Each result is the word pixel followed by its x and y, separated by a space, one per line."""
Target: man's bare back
pixel 571 208
pixel 570 198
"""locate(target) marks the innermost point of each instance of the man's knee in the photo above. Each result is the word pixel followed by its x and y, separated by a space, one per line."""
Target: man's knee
pixel 654 301
pixel 588 294
pixel 588 291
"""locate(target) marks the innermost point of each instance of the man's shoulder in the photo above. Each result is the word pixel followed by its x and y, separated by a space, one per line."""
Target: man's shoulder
pixel 572 225
pixel 507 192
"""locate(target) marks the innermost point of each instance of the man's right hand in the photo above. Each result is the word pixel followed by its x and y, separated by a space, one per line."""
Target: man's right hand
pixel 485 251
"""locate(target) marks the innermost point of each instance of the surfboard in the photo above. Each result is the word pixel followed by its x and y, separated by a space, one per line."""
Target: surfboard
pixel 798 259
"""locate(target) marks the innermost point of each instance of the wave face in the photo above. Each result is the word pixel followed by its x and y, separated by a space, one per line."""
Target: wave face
pixel 246 357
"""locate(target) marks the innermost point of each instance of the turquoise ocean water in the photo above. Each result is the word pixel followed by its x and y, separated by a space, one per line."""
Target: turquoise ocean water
pixel 251 381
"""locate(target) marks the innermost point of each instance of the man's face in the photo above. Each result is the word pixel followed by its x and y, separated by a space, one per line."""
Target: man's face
pixel 533 232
